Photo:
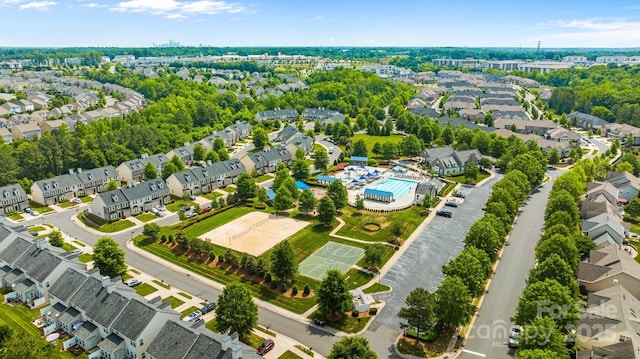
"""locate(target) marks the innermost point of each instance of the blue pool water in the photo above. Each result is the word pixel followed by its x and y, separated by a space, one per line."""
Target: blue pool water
pixel 399 187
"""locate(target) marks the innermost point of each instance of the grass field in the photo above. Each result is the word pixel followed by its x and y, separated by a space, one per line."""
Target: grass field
pixel 212 195
pixel 409 218
pixel 289 355
pixel 68 247
pixel 79 244
pixel 177 203
pixel 229 189
pixel 263 178
pixel 204 226
pixel 162 284
pixel 116 226
pixel 356 278
pixel 36 228
pixel 66 204
pixel 39 207
pixel 187 311
pixel 185 295
pixel 145 289
pixel 347 323
pixel 85 257
pixel 371 140
pixel 460 178
pixel 175 302
pixel 146 217
pixel 376 287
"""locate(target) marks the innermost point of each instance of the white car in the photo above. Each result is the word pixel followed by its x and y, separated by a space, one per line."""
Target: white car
pixel 76 200
pixel 160 208
pixel 193 316
pixel 154 210
pixel 514 337
pixel 34 212
pixel 133 282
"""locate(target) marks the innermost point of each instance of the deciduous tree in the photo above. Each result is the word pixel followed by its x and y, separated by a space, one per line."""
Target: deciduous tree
pixel 338 194
pixel 56 239
pixel 547 299
pixel 307 201
pixel 236 312
pixel 420 310
pixel 333 296
pixel 373 254
pixel 453 302
pixel 246 186
pixel 283 265
pixel 320 159
pixel 326 210
pixel 352 348
pixel 150 171
pixel 108 257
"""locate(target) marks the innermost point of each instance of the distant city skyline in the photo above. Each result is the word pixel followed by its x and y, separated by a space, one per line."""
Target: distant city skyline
pixel 373 23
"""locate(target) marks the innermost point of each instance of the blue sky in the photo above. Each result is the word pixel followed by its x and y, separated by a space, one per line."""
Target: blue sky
pixel 471 23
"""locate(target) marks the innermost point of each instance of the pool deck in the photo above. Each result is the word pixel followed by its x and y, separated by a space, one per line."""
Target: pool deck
pixel 399 203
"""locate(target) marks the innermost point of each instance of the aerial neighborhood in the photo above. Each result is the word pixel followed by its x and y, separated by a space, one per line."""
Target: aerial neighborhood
pixel 190 202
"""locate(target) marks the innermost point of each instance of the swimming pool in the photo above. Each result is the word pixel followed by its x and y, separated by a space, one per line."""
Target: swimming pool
pixel 399 187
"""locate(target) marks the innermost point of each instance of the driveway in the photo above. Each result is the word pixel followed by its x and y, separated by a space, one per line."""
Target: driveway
pixel 421 264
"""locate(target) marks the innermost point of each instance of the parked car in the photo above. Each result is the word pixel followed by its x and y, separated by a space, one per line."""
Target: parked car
pixel 192 197
pixel 444 214
pixel 76 251
pixel 319 322
pixel 193 316
pixel 451 204
pixel 205 209
pixel 207 308
pixel 185 208
pixel 133 282
pixel 191 214
pixel 461 195
pixel 27 210
pixel 514 336
pixel 265 347
pixel 34 212
pixel 154 210
pixel 76 200
pixel 33 233
pixel 160 208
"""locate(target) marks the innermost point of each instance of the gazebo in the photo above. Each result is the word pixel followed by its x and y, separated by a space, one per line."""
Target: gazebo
pixel 378 195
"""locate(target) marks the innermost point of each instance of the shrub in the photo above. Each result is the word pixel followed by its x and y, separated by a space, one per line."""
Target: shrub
pixel 212 255
pixel 373 311
pixel 267 277
pixel 283 287
pixel 163 238
pixel 355 313
pixel 172 239
pixel 397 247
pixel 221 259
pixel 306 290
pixel 294 290
pixel 274 284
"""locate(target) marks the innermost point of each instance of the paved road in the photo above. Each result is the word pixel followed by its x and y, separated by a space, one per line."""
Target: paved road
pixel 603 146
pixel 421 264
pixel 490 332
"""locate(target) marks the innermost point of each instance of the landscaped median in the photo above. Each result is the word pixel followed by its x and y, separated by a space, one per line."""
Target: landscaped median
pixel 303 243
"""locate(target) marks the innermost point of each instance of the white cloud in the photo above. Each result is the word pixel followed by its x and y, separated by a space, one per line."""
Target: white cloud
pixel 598 32
pixel 38 5
pixel 179 10
pixel 9 2
pixel 316 18
pixel 92 4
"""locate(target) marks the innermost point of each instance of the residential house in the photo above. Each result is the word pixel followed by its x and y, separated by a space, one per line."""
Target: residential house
pixel 12 198
pixel 25 105
pixel 321 115
pixel 586 121
pixel 56 189
pixel 130 201
pixel 605 229
pixel 621 131
pixel 179 340
pixel 544 144
pixel 267 161
pixel 29 131
pixel 184 153
pixel 37 266
pixel 5 135
pixel 627 184
pixel 445 160
pixel 96 180
pixel 607 267
pixel 608 319
pixel 4 112
pixel 590 208
pixel 12 107
pixel 241 128
pixel 134 170
pixel 288 115
pixel 620 350
pixel 205 179
pixel 608 190
pixel 561 134
pixel 293 139
pixel 428 189
pixel 49 126
pixel 538 127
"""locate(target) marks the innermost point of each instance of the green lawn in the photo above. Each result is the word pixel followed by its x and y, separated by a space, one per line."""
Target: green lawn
pixel 347 324
pixel 126 277
pixel 356 278
pixel 187 311
pixel 36 228
pixel 289 355
pixel 376 287
pixel 263 178
pixel 134 271
pixel 175 302
pixel 253 340
pixel 460 178
pixel 15 216
pixel 229 189
pixel 212 195
pixel 19 319
pixel 206 225
pixel 177 203
pixel 371 140
pixel 145 289
pixel 68 247
pixel 79 244
pixel 39 207
pixel 146 217
pixel 116 226
pixel 162 284
pixel 185 295
pixel 409 218
pixel 85 257
pixel 66 204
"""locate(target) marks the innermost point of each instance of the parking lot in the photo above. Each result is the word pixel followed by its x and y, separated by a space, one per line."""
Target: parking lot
pixel 421 264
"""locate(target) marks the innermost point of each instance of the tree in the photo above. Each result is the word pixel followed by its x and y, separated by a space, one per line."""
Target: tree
pixel 168 169
pixel 236 312
pixel 530 166
pixel 320 159
pixel 553 157
pixel 283 199
pixel 543 334
pixel 411 145
pixel 483 236
pixel 373 254
pixel 633 208
pixel 470 269
pixel 352 348
pixel 5 334
pixel 485 163
pixel 212 156
pixel 261 194
pixel 112 185
pixel 260 138
pixel 150 171
pixel 108 257
pixel 453 302
pixel 27 346
pixel 333 295
pixel 300 170
pixel 151 230
pixel 56 239
pixel 388 150
pixel 326 210
pixel 565 202
pixel 218 144
pixel 290 184
pixel 177 162
pixel 246 187
pixel 539 354
pixel 547 299
pixel 396 229
pixel 223 154
pixel 360 148
pixel 359 202
pixel 563 246
pixel 299 155
pixel 554 267
pixel 338 194
pixel 198 153
pixel 377 148
pixel 471 171
pixel 420 311
pixel 282 173
pixel 307 201
pixel 283 265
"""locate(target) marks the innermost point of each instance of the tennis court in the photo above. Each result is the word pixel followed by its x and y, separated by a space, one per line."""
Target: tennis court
pixel 331 255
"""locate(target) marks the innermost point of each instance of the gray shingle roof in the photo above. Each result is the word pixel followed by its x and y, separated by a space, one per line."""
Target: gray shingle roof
pixel 203 347
pixel 38 264
pixel 135 317
pixel 69 315
pixel 110 343
pixel 173 341
pixel 68 283
pixel 11 192
pixel 99 305
pixel 13 275
pixel 24 285
pixel 15 249
pixel 86 331
pixel 97 174
pixel 58 183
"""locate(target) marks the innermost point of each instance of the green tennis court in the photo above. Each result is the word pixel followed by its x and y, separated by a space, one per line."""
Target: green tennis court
pixel 331 255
